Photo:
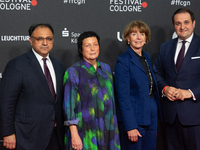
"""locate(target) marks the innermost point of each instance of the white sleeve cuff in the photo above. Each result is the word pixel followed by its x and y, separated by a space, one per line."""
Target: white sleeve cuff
pixel 193 97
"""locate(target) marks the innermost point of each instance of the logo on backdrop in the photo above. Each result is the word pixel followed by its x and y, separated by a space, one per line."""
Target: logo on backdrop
pixel 127 5
pixel 119 37
pixel 14 38
pixel 17 4
pixel 180 3
pixel 174 35
pixel 0 75
pixel 76 2
pixel 73 35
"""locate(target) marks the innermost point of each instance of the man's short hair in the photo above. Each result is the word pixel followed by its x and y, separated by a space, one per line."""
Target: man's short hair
pixel 183 10
pixel 33 27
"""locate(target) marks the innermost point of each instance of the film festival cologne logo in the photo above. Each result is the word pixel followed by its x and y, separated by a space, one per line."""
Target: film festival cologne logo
pixel 121 6
pixel 10 5
pixel 19 5
pixel 127 5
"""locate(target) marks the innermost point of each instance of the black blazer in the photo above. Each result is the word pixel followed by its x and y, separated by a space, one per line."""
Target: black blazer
pixel 188 77
pixel 27 107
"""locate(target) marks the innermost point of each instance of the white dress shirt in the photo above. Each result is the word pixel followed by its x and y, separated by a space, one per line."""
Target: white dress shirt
pixel 178 48
pixel 49 65
pixel 179 45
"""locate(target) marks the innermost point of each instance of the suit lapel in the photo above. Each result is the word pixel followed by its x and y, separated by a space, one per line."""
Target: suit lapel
pixel 135 60
pixel 57 76
pixel 38 72
pixel 172 54
pixel 192 48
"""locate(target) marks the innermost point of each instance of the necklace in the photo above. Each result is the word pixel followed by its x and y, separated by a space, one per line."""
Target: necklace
pixel 150 75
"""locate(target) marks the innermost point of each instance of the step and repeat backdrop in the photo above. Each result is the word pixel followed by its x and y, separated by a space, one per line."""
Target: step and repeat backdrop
pixel 70 18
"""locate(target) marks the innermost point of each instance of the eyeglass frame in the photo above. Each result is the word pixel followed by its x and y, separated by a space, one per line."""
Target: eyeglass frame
pixel 41 39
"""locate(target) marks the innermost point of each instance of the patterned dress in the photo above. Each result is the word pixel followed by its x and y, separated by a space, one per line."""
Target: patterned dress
pixel 89 104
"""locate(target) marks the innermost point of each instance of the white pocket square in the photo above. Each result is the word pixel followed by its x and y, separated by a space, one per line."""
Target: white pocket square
pixel 197 57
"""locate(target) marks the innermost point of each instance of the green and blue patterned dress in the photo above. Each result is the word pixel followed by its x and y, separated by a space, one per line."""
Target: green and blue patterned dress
pixel 89 104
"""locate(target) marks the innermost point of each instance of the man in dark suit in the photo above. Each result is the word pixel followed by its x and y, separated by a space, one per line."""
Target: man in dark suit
pixel 177 70
pixel 31 96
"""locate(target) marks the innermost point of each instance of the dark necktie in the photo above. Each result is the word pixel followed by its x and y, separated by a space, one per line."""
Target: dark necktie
pixel 48 78
pixel 180 56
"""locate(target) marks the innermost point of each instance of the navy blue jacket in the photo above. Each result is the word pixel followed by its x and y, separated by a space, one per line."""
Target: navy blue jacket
pixel 188 77
pixel 132 87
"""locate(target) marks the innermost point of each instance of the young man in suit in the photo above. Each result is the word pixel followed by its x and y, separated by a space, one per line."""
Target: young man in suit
pixel 178 76
pixel 32 94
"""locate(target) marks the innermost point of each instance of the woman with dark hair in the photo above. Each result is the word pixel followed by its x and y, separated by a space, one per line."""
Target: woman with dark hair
pixel 137 92
pixel 89 100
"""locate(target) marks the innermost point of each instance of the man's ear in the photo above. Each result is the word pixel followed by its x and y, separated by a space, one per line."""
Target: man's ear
pixel 193 24
pixel 30 40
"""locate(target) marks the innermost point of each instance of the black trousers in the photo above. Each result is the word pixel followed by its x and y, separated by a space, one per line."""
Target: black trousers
pixel 182 137
pixel 53 143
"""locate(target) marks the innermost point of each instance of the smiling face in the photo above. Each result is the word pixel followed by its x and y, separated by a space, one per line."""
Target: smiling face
pixel 90 49
pixel 42 47
pixel 136 40
pixel 183 25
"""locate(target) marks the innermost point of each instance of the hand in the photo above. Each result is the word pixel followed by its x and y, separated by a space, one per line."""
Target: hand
pixel 9 141
pixel 76 140
pixel 182 94
pixel 170 92
pixel 133 135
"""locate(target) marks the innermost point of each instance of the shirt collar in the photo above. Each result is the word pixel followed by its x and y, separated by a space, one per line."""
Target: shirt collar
pixel 39 58
pixel 133 53
pixel 88 65
pixel 188 39
pixel 138 56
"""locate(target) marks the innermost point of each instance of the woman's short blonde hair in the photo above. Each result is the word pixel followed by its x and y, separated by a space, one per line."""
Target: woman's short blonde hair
pixel 134 26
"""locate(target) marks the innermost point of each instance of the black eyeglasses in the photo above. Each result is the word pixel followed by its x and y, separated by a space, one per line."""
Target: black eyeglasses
pixel 41 39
